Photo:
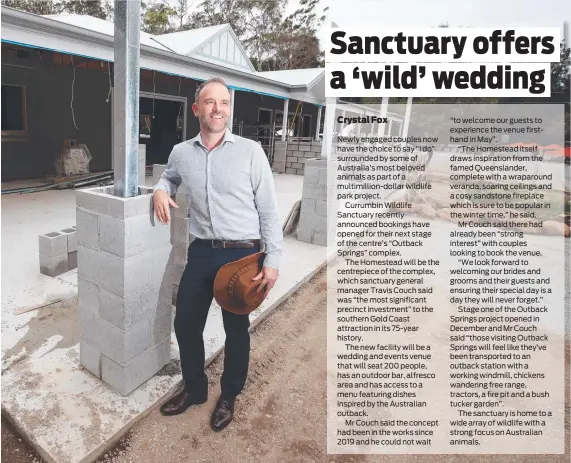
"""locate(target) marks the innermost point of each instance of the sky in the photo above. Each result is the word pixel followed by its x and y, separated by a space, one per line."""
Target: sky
pixel 375 14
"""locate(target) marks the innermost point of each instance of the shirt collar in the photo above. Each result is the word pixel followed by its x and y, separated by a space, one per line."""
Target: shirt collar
pixel 228 137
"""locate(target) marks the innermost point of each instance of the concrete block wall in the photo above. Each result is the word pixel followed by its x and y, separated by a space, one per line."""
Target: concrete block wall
pixel 179 230
pixel 180 237
pixel 313 227
pixel 297 154
pixel 280 149
pixel 124 287
pixel 58 252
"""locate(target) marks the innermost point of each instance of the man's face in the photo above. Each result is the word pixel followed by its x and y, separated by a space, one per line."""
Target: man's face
pixel 213 108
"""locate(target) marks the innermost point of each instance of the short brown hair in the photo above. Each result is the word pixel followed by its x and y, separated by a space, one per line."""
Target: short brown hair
pixel 218 80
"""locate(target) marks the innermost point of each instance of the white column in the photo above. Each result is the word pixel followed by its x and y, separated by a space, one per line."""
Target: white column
pixel 318 124
pixel 383 113
pixel 407 117
pixel 284 122
pixel 231 120
pixel 328 127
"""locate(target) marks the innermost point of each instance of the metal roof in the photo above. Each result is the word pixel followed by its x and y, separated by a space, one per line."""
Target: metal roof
pixel 94 38
pixel 295 76
pixel 99 25
pixel 185 42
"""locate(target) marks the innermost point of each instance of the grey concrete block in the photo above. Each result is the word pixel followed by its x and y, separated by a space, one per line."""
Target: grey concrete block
pixel 181 230
pixel 321 208
pixel 160 327
pixel 314 191
pixel 53 244
pixel 158 170
pixel 87 229
pixel 308 206
pixel 53 266
pixel 316 147
pixel 304 147
pixel 180 253
pixel 87 296
pixel 126 312
pixel 112 341
pixel 301 160
pixel 316 162
pixel 292 159
pixel 71 238
pixel 142 163
pixel 289 170
pixel 323 176
pixel 125 208
pixel 311 175
pixel 71 260
pixel 92 200
pixel 90 358
pixel 113 273
pixel 299 171
pixel 296 165
pixel 304 235
pixel 288 164
pixel 161 264
pixel 320 239
pixel 313 222
pixel 124 238
pixel 177 271
pixel 125 378
pixel 174 294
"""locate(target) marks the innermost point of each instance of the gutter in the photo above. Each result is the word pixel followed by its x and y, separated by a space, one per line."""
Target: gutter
pixel 23 20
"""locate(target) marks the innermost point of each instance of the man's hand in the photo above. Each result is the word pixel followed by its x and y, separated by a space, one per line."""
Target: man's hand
pixel 162 201
pixel 270 276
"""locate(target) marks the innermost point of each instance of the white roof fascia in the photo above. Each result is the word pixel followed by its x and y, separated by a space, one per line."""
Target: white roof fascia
pixel 45 33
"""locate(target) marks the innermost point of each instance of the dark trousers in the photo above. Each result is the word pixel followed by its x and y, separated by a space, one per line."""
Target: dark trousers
pixel 195 294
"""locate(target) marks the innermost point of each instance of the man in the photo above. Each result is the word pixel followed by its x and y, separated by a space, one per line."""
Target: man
pixel 233 211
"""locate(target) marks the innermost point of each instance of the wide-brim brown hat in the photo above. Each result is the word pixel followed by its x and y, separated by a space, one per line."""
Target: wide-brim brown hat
pixel 234 289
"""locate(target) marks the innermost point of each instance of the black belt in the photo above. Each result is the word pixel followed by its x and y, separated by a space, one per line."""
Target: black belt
pixel 220 244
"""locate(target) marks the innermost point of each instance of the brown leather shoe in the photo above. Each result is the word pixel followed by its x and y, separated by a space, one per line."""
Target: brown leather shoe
pixel 180 402
pixel 222 414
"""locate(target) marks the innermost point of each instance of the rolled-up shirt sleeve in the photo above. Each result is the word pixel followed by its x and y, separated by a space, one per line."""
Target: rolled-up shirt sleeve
pixel 170 179
pixel 266 203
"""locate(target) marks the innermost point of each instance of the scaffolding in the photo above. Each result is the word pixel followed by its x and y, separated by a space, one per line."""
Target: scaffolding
pixel 264 134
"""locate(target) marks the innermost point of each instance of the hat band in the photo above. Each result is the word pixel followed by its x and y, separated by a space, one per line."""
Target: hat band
pixel 235 277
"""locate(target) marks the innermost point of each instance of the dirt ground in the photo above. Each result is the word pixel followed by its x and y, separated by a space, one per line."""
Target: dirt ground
pixel 280 416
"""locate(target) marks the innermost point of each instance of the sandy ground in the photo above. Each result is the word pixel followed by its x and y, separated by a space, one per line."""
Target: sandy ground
pixel 281 415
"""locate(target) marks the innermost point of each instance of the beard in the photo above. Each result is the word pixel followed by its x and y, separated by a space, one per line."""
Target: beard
pixel 213 125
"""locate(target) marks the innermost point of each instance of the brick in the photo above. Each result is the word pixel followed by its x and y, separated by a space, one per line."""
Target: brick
pixel 125 378
pixel 53 266
pixel 290 171
pixel 87 296
pixel 321 208
pixel 112 341
pixel 304 235
pixel 90 358
pixel 308 206
pixel 314 191
pixel 87 229
pixel 71 238
pixel 53 244
pixel 71 260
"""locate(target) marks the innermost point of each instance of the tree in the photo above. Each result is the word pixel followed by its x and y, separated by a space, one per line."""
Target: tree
pixel 272 40
pixel 157 18
pixel 39 7
pixel 86 7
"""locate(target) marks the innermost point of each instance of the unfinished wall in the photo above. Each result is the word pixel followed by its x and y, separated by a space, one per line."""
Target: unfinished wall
pixel 49 116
